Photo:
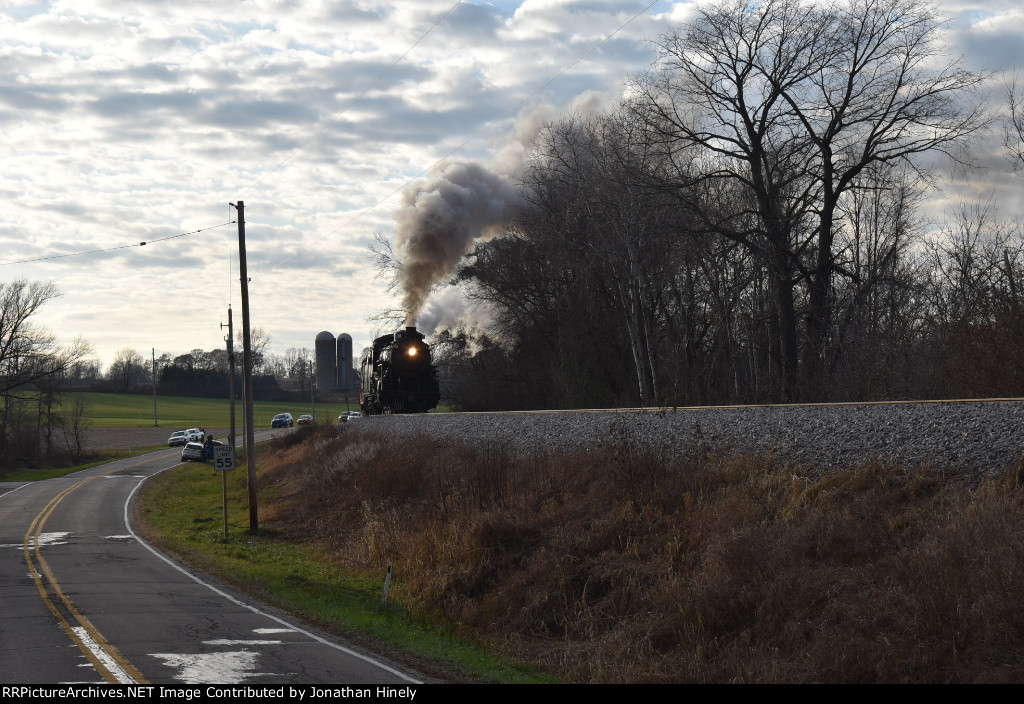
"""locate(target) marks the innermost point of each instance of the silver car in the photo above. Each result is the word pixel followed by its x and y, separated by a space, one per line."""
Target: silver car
pixel 192 451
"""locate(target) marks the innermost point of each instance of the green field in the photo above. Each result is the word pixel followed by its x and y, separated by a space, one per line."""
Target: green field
pixel 172 412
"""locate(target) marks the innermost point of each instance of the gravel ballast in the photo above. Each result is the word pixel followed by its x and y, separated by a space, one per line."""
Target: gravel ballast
pixel 978 436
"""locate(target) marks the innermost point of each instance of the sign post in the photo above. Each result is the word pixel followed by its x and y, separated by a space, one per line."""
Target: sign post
pixel 224 462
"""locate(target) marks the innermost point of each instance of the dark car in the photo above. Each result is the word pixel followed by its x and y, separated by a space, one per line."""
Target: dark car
pixel 282 420
pixel 304 419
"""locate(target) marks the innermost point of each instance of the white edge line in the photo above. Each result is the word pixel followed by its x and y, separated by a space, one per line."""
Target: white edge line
pixel 250 607
pixel 11 491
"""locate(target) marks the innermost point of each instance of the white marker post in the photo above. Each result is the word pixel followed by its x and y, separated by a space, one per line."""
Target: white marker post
pixel 387 583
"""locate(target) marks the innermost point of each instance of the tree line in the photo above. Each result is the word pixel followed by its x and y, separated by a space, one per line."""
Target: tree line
pixel 746 226
pixel 204 373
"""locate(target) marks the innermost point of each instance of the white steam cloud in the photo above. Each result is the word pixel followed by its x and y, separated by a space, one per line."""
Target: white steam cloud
pixel 448 307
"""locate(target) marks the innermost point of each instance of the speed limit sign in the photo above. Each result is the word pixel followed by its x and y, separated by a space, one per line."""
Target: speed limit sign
pixel 223 457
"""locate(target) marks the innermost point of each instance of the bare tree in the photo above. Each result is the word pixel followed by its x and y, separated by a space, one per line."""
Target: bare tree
pixel 792 101
pixel 614 219
pixel 976 264
pixel 1013 125
pixel 259 341
pixel 31 365
pixel 73 426
pixel 127 370
pixel 28 352
pixel 976 309
pixel 298 364
pixel 388 266
pixel 716 102
pixel 85 372
pixel 878 298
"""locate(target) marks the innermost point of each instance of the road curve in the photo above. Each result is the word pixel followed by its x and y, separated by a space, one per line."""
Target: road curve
pixel 85 600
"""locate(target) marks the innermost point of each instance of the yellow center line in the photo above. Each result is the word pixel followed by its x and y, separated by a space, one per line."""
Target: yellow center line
pixel 113 666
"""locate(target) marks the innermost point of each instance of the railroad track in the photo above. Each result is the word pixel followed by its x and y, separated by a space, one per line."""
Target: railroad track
pixel 960 434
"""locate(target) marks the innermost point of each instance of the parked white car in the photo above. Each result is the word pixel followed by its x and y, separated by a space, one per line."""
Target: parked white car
pixel 182 437
pixel 179 437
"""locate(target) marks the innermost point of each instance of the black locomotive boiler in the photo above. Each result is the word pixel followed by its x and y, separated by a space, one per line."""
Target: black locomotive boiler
pixel 397 376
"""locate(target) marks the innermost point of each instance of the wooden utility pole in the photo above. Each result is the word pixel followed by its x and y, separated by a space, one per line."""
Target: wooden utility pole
pixel 155 423
pixel 230 340
pixel 250 439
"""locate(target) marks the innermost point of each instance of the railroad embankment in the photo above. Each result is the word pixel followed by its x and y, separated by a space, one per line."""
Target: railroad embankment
pixel 618 560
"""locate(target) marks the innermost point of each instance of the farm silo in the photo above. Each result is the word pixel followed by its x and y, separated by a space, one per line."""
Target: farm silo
pixel 326 363
pixel 345 362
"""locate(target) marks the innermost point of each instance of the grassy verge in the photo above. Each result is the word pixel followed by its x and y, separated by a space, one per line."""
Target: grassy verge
pixel 181 510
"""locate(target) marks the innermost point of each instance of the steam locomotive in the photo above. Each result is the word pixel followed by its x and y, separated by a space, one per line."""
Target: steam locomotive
pixel 397 376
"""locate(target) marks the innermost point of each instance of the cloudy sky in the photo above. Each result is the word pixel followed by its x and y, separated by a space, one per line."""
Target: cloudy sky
pixel 126 122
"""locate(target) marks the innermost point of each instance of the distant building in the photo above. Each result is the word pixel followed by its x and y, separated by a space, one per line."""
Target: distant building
pixel 334 370
pixel 345 368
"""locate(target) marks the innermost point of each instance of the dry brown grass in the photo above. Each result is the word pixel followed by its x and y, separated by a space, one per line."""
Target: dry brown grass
pixel 623 565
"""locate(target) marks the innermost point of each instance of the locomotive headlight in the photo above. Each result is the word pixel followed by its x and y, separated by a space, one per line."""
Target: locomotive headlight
pixel 411 352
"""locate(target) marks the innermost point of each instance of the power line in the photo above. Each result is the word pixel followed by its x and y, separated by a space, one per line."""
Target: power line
pixel 112 249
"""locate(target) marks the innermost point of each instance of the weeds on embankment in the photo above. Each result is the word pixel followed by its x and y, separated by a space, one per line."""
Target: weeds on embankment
pixel 628 565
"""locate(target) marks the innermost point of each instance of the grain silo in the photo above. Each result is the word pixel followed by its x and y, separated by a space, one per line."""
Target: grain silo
pixel 326 363
pixel 345 362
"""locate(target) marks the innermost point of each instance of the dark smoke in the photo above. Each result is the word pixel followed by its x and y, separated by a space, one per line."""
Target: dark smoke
pixel 438 221
pixel 442 215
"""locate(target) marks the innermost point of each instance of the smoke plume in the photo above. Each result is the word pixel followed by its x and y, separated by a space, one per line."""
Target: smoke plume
pixel 438 221
pixel 454 205
pixel 449 308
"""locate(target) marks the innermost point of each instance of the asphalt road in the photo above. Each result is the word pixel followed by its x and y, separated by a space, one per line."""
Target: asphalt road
pixel 85 600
